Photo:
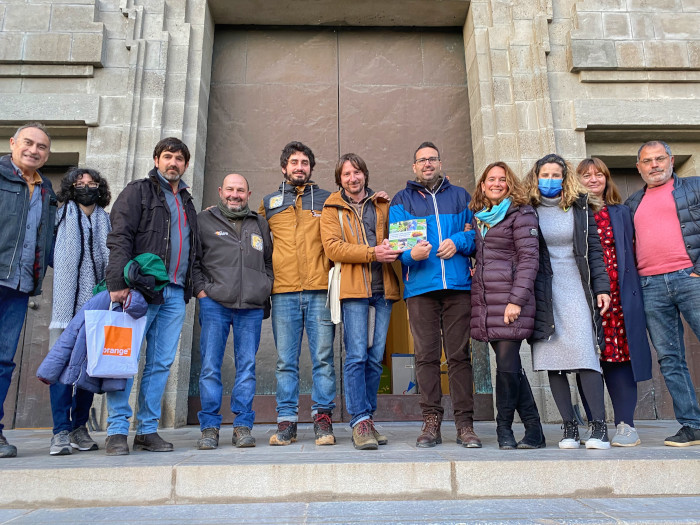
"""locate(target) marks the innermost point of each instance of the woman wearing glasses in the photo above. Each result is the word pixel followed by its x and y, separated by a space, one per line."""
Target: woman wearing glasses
pixel 572 291
pixel 80 259
pixel 503 300
pixel 625 357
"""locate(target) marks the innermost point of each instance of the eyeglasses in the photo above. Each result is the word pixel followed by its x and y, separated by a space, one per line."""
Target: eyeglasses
pixel 659 160
pixel 82 185
pixel 432 160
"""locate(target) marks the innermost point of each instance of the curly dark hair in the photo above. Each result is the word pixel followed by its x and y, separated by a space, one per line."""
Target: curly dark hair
pixel 67 191
pixel 297 147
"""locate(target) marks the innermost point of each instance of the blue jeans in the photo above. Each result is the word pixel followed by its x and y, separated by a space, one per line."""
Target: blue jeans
pixel 69 411
pixel 163 327
pixel 363 364
pixel 216 322
pixel 291 313
pixel 666 297
pixel 13 308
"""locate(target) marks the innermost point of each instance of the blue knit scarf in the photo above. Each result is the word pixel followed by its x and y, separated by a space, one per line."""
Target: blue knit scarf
pixel 486 218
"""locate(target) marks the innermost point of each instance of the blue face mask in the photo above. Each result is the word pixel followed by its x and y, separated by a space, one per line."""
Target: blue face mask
pixel 549 187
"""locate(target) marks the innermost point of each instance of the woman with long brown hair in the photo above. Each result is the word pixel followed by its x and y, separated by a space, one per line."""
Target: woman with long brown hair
pixel 572 291
pixel 503 300
pixel 625 357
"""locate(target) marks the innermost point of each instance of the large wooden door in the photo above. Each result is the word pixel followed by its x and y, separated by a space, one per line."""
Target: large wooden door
pixel 375 92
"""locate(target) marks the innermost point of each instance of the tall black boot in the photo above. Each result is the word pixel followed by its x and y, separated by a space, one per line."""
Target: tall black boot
pixel 507 386
pixel 527 408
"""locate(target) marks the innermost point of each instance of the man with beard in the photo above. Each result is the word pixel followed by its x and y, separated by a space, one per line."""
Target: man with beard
pixel 299 295
pixel 152 215
pixel 233 280
pixel 667 242
pixel 437 284
pixel 26 243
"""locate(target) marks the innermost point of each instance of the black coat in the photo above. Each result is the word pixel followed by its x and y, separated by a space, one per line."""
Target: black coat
pixel 141 224
pixel 631 292
pixel 588 254
pixel 506 267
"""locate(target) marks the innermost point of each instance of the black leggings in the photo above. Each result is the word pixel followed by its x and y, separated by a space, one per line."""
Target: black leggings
pixel 592 384
pixel 622 388
pixel 507 355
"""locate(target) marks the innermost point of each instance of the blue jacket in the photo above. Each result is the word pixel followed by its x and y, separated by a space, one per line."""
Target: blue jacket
pixel 66 362
pixel 631 292
pixel 14 199
pixel 446 211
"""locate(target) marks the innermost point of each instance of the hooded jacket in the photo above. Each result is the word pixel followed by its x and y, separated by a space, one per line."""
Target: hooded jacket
pixel 14 202
pixel 66 362
pixel 353 252
pixel 507 259
pixel 294 216
pixel 446 210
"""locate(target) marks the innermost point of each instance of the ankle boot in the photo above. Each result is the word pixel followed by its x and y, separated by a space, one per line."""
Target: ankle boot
pixel 527 408
pixel 507 386
pixel 430 433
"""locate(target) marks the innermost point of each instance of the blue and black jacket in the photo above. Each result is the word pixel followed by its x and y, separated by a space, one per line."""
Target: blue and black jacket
pixel 446 210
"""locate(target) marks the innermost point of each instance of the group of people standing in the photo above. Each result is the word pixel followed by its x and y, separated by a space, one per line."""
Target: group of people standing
pixel 555 264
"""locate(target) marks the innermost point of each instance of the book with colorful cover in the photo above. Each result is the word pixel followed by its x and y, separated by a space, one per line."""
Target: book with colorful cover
pixel 404 235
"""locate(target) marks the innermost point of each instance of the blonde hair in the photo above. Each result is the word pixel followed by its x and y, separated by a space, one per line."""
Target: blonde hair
pixel 571 186
pixel 611 195
pixel 515 191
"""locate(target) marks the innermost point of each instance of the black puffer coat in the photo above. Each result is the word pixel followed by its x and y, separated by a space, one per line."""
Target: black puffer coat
pixel 588 253
pixel 506 266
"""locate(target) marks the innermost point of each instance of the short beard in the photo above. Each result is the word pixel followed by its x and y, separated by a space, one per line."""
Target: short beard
pixel 234 208
pixel 293 182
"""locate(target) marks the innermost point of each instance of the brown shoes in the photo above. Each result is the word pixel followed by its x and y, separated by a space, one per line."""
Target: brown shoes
pixel 468 438
pixel 430 433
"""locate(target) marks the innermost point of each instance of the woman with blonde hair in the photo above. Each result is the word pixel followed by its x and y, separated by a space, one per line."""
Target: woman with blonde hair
pixel 572 292
pixel 503 300
pixel 625 358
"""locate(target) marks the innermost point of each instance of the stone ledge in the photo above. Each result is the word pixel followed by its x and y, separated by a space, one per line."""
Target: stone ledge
pixel 51 108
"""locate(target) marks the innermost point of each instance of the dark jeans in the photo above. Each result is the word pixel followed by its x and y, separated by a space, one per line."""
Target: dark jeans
pixel 436 319
pixel 13 308
pixel 69 411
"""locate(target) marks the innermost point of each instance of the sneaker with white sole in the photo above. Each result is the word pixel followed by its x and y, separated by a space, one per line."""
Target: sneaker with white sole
pixel 599 436
pixel 625 436
pixel 60 444
pixel 570 439
pixel 80 439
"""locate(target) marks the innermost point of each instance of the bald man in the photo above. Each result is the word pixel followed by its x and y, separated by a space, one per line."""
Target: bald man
pixel 232 279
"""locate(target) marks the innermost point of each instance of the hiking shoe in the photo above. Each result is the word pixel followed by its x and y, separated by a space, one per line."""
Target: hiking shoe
pixel 430 433
pixel 242 438
pixel 60 444
pixel 685 437
pixel 599 436
pixel 381 438
pixel 116 445
pixel 323 429
pixel 587 433
pixel 209 439
pixel 6 450
pixel 570 439
pixel 363 436
pixel 152 442
pixel 468 438
pixel 625 436
pixel 286 433
pixel 81 440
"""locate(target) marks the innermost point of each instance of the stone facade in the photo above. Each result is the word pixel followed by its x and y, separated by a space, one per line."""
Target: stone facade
pixel 579 78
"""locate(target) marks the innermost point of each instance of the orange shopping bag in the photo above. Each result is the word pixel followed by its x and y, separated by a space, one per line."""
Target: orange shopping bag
pixel 113 343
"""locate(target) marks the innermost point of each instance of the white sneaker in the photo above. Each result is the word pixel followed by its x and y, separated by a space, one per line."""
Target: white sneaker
pixel 625 436
pixel 60 444
pixel 599 437
pixel 570 439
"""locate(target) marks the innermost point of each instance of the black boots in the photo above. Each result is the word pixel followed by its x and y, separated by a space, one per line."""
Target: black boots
pixel 534 435
pixel 507 387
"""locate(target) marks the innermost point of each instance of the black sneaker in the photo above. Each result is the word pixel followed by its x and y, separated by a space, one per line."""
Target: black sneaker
pixel 685 437
pixel 570 439
pixel 242 438
pixel 286 433
pixel 323 429
pixel 599 436
pixel 6 450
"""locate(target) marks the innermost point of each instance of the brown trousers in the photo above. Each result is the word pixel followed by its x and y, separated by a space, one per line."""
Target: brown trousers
pixel 436 319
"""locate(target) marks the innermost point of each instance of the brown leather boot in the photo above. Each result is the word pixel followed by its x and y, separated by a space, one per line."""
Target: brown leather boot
pixel 468 438
pixel 430 433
